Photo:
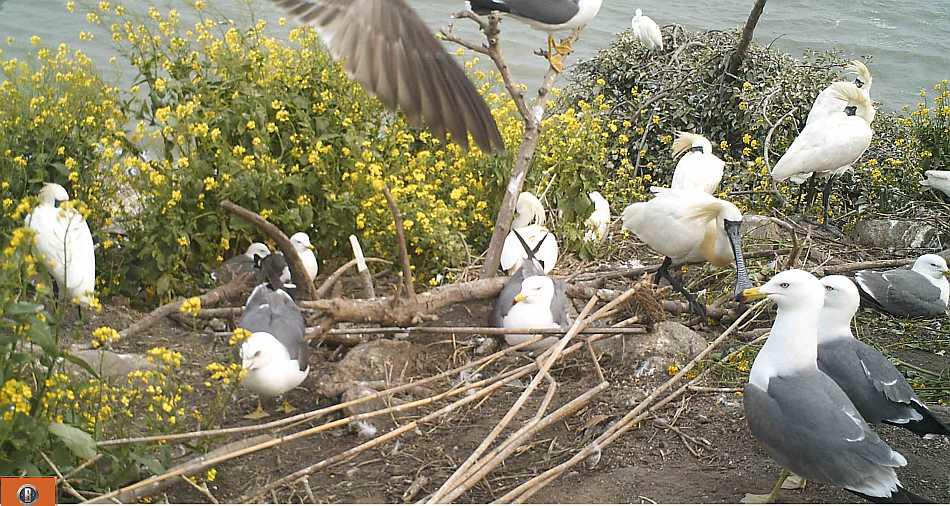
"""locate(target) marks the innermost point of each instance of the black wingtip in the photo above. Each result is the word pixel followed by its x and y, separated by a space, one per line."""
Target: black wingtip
pixel 901 496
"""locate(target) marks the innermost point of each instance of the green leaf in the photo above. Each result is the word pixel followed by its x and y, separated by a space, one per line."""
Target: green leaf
pixel 79 441
pixel 81 363
pixel 21 308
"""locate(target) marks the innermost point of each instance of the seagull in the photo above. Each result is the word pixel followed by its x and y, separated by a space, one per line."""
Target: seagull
pixel 301 242
pixel 599 220
pixel 64 243
pixel 276 354
pixel 247 262
pixel 920 291
pixel 689 226
pixel 698 169
pixel 874 385
pixel 647 31
pixel 937 180
pixel 801 416
pixel 529 223
pixel 828 102
pixel 831 142
pixel 547 16
pixel 387 48
pixel 539 302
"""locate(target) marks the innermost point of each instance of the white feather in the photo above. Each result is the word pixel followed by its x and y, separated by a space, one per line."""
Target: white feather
pixel 513 253
pixel 701 171
pixel 647 31
pixel 938 180
pixel 301 242
pixel 826 145
pixel 271 372
pixel 64 243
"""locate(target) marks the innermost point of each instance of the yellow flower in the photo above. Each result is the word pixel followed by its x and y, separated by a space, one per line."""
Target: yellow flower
pixel 104 335
pixel 239 336
pixel 211 474
pixel 191 306
pixel 673 369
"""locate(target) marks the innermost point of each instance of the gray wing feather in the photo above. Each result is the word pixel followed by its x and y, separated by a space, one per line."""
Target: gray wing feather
pixel 506 298
pixel 233 267
pixel 387 47
pixel 274 312
pixel 874 385
pixel 551 12
pixel 804 422
pixel 560 303
pixel 901 292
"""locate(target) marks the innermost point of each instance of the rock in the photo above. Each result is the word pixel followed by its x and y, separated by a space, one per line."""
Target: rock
pixel 376 364
pixel 113 366
pixel 355 391
pixel 897 234
pixel 761 228
pixel 668 340
pixel 217 325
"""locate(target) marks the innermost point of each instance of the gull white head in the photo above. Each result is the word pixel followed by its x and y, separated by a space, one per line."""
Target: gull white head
pixel 791 290
pixel 257 249
pixel 841 304
pixel 528 210
pixel 689 142
pixel 537 290
pixel 301 241
pixel 261 350
pixel 863 75
pixel 931 266
pixel 52 193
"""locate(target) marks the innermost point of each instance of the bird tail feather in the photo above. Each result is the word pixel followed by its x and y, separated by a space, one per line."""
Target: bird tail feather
pixel 901 496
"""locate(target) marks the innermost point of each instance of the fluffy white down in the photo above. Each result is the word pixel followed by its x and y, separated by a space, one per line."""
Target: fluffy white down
pixel 64 243
pixel 599 219
pixel 271 372
pixel 826 145
pixel 301 242
pixel 532 312
pixel 698 171
pixel 671 225
pixel 647 31
pixel 513 254
pixel 938 180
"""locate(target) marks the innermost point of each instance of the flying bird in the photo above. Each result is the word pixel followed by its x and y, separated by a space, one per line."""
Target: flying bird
pixel 647 31
pixel 921 291
pixel 304 249
pixel 805 421
pixel 247 262
pixel 831 142
pixel 877 389
pixel 549 16
pixel 599 219
pixel 698 169
pixel 387 48
pixel 689 226
pixel 276 354
pixel 64 244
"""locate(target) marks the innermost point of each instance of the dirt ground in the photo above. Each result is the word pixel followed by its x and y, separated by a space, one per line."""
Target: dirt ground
pixel 647 464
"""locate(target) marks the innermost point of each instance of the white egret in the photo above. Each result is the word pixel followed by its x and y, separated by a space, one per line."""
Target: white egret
pixel 647 31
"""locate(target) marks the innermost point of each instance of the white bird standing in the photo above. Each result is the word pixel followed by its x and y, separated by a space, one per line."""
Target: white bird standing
pixel 301 242
pixel 831 142
pixel 64 243
pixel 689 226
pixel 547 16
pixel 599 220
pixel 804 420
pixel 937 180
pixel 698 169
pixel 828 102
pixel 529 224
pixel 647 31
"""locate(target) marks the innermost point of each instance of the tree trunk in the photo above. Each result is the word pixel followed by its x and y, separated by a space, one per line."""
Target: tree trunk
pixel 735 61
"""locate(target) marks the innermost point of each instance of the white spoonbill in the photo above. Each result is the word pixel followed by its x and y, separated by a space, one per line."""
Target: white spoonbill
pixel 528 211
pixel 689 226
pixel 698 169
pixel 831 142
pixel 599 220
pixel 64 243
pixel 647 31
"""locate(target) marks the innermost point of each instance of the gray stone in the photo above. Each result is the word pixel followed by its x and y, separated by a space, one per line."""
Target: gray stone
pixel 377 364
pixel 897 234
pixel 761 228
pixel 668 340
pixel 110 365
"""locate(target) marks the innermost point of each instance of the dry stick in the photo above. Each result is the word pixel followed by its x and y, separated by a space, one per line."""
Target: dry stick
pixel 401 239
pixel 553 354
pixel 200 488
pixel 494 458
pixel 857 266
pixel 83 466
pixel 366 276
pixel 530 487
pixel 340 457
pixel 69 488
pixel 298 272
pixel 231 289
pixel 322 411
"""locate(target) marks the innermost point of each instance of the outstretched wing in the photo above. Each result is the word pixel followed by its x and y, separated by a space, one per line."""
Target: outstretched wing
pixel 387 47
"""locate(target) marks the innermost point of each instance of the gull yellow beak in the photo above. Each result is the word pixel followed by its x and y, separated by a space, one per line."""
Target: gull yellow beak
pixel 946 274
pixel 310 247
pixel 750 294
pixel 520 298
